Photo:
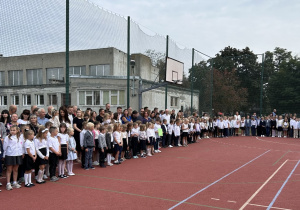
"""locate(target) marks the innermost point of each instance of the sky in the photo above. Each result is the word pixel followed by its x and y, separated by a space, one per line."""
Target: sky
pixel 210 26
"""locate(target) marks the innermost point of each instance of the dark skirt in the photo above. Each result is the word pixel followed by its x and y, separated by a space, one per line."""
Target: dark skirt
pixel 64 152
pixel 13 160
pixel 197 133
pixel 111 150
pixel 41 161
pixel 149 142
pixel 242 128
pixel 124 144
pixel 184 134
pixel 280 129
pixel 28 163
pixel 143 144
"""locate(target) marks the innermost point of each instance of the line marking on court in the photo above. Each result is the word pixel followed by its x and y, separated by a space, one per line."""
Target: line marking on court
pixel 252 204
pixel 231 201
pixel 259 189
pixel 138 195
pixel 218 180
pixel 216 199
pixel 274 142
pixel 279 191
pixel 280 158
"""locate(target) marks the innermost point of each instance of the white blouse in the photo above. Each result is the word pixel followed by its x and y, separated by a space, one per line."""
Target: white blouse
pixel 13 146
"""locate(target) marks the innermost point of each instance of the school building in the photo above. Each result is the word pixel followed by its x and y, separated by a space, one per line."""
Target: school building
pixel 97 77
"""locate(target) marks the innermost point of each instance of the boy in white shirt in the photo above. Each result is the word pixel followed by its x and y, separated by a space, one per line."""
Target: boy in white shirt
pixel 156 127
pixel 54 150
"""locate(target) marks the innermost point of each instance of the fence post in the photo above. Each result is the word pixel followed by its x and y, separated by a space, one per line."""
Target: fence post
pixel 192 80
pixel 166 88
pixel 67 53
pixel 128 61
pixel 261 84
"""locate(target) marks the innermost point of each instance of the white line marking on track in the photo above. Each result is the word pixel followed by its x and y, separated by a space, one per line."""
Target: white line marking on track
pixel 216 199
pixel 231 201
pixel 223 177
pixel 279 191
pixel 259 189
pixel 252 204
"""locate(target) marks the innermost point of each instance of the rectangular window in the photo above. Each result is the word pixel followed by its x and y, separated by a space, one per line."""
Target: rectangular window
pixel 55 75
pixel 174 101
pixel 2 78
pixel 100 70
pixel 3 100
pixel 15 77
pixel 34 76
pixel 39 99
pixel 114 97
pixel 77 70
pixel 26 100
pixel 52 99
pixel 15 99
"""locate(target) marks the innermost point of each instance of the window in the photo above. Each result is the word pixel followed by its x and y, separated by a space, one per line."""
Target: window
pixel 174 101
pixel 114 97
pixel 3 100
pixel 26 100
pixel 54 74
pixel 2 78
pixel 39 99
pixel 15 77
pixel 52 99
pixel 77 70
pixel 15 99
pixel 99 70
pixel 34 76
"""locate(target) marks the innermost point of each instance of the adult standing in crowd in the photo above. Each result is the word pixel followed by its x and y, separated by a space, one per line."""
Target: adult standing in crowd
pixel 62 118
pixel 146 117
pixel 42 117
pixel 34 125
pixel 24 118
pixel 100 117
pixel 77 124
pixel 274 113
pixel 126 117
pixel 173 115
pixel 14 121
pixel 166 116
pixel 136 116
pixel 107 108
pixel 49 113
pixel 33 107
pixel 120 113
pixel 70 114
pixel 12 109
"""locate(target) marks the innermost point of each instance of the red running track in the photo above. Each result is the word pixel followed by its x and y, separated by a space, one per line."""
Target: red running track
pixel 226 172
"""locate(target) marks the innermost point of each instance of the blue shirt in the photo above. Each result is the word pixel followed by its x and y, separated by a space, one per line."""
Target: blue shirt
pixel 42 121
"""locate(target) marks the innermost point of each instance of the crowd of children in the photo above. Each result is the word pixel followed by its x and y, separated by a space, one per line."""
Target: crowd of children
pixel 50 150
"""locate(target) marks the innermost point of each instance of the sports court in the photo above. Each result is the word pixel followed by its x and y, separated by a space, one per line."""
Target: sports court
pixel 220 173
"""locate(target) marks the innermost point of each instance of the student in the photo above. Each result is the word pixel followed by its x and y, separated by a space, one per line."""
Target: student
pixel 128 153
pixel 237 125
pixel 72 152
pixel 215 124
pixel 1 156
pixel 63 138
pixel 285 127
pixel 118 143
pixel 221 127
pixel 142 139
pixel 96 133
pixel 110 144
pixel 273 126
pixel 185 129
pixel 253 126
pixel 42 151
pixel 279 125
pixel 170 133
pixel 296 128
pixel 30 157
pixel 81 136
pixel 124 136
pixel 268 126
pixel 134 140
pixel 13 151
pixel 156 127
pixel 226 127
pixel 247 125
pixel 89 146
pixel 54 151
pixel 150 138
pixel 242 126
pixel 102 146
pixel 197 129
pixel 210 128
pixel 263 127
pixel 165 132
pixel 177 132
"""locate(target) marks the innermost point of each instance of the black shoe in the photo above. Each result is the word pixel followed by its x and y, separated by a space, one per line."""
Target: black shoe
pixel 27 185
pixel 32 185
pixel 65 176
pixel 39 182
pixel 103 166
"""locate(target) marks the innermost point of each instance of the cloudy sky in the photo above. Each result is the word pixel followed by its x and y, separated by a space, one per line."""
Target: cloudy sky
pixel 209 26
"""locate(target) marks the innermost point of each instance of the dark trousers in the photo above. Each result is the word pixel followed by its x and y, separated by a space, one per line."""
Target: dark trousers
pixel 268 131
pixel 259 130
pixel 102 156
pixel 215 132
pixel 263 130
pixel 253 130
pixel 226 132
pixel 156 144
pixel 163 140
pixel 134 142
pixel 82 158
pixel 169 137
pixel 52 163
pixel 176 141
pixel 221 132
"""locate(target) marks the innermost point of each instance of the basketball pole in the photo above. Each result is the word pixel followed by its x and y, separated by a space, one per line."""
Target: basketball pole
pixel 128 60
pixel 261 85
pixel 192 80
pixel 166 88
